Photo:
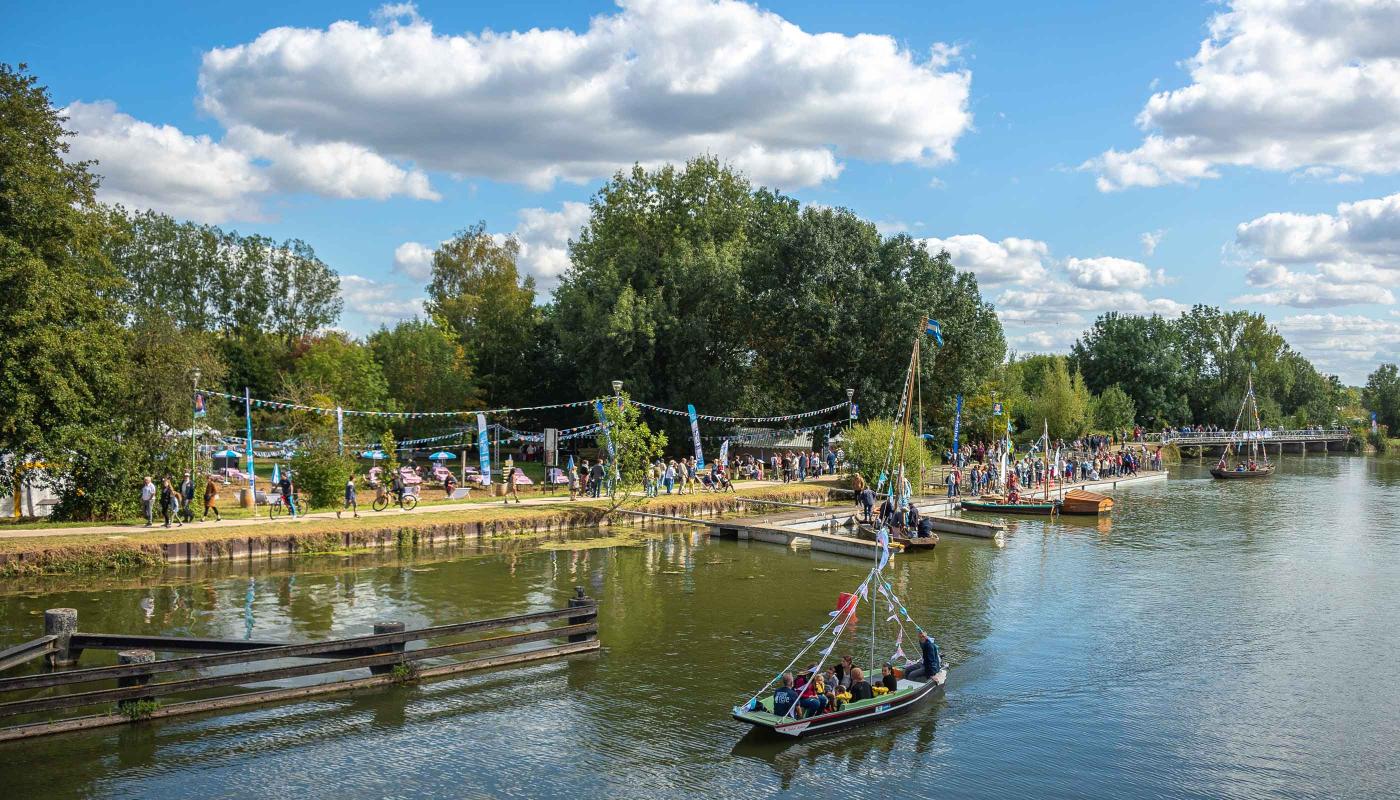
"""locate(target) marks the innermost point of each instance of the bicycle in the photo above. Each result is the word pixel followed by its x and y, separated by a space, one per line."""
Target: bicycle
pixel 277 506
pixel 405 501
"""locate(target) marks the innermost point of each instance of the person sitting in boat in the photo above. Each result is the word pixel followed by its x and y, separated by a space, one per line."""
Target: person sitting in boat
pixel 925 529
pixel 860 687
pixel 911 521
pixel 813 693
pixel 843 672
pixel 932 663
pixel 1253 465
pixel 888 679
pixel 833 699
pixel 784 697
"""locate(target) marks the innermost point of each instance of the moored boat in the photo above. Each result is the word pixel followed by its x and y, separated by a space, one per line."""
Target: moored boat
pixel 996 505
pixel 1081 501
pixel 1232 474
pixel 869 534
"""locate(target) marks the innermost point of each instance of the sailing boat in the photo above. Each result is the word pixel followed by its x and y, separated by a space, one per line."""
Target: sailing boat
pixel 781 705
pixel 999 504
pixel 1258 465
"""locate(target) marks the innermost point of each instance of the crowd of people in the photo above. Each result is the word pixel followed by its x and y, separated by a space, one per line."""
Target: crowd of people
pixel 975 469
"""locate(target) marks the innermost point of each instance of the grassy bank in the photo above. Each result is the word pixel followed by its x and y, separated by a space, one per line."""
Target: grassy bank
pixel 151 548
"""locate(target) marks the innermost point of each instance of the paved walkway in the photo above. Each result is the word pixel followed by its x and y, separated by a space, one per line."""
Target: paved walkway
pixel 365 511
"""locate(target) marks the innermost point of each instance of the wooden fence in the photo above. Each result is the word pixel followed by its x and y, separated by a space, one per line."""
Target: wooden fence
pixel 138 695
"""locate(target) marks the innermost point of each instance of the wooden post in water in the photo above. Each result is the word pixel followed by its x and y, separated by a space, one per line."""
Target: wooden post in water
pixel 134 657
pixel 386 627
pixel 581 599
pixel 63 623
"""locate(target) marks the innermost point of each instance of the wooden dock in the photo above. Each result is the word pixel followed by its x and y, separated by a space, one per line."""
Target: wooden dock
pixel 792 527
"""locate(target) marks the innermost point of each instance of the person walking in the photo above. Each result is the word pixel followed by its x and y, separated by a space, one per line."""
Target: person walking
pixel 595 479
pixel 187 496
pixel 350 498
pixel 573 481
pixel 169 503
pixel 211 500
pixel 510 481
pixel 148 500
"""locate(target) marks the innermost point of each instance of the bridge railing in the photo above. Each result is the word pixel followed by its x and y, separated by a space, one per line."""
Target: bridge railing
pixel 1266 435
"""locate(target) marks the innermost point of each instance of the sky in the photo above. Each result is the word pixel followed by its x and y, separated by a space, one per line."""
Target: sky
pixel 1079 158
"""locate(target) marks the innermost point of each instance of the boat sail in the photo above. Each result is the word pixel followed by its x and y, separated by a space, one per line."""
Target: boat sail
pixel 790 703
pixel 1257 465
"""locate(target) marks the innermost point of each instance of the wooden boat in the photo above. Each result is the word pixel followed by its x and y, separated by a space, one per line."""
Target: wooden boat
pixel 1079 501
pixel 867 533
pixel 909 694
pixel 1232 474
pixel 993 504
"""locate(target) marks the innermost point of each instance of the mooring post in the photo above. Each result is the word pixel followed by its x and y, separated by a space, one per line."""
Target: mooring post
pixel 386 627
pixel 134 657
pixel 63 623
pixel 580 600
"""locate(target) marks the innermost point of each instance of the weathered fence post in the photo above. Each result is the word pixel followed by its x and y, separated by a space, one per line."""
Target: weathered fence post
pixel 134 657
pixel 386 627
pixel 63 623
pixel 581 600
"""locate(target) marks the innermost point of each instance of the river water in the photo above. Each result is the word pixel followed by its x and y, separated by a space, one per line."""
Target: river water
pixel 1214 640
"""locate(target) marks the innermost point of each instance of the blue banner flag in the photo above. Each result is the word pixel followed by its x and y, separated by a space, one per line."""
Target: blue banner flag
pixel 855 410
pixel 483 446
pixel 957 425
pixel 607 434
pixel 695 433
pixel 248 420
pixel 932 328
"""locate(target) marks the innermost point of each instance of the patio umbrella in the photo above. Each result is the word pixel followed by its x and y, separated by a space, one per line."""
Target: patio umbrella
pixel 375 455
pixel 227 454
pixel 441 455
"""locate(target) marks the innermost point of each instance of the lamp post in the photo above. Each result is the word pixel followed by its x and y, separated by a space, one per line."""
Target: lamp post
pixel 617 388
pixel 194 410
pixel 850 399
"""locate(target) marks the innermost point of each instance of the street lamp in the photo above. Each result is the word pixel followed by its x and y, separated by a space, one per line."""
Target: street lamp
pixel 617 388
pixel 850 399
pixel 194 409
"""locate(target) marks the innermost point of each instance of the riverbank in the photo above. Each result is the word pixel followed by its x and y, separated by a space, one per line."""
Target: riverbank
pixel 114 548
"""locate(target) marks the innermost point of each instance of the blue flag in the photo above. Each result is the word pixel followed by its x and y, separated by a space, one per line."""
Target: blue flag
pixel 483 448
pixel 957 424
pixel 695 433
pixel 935 330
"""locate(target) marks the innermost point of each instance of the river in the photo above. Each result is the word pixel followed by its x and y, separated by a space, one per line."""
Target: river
pixel 1215 639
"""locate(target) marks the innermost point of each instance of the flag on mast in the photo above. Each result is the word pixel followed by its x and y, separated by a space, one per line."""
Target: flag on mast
pixel 932 328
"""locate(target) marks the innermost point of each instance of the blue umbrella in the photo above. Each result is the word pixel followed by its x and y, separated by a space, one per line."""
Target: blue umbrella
pixel 441 455
pixel 372 454
pixel 227 454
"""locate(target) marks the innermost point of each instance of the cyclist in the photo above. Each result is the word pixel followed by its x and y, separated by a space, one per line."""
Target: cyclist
pixel 285 486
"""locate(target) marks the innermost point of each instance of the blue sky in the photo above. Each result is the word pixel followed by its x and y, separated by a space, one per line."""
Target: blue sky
pixel 1078 159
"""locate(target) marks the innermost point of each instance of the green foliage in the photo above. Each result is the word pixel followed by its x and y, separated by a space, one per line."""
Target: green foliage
pixel 1062 403
pixel 477 292
pixel 1113 410
pixel 867 446
pixel 1142 356
pixel 405 672
pixel 138 709
pixel 332 369
pixel 320 471
pixel 390 448
pixel 635 444
pixel 426 368
pixel 1378 439
pixel 1382 395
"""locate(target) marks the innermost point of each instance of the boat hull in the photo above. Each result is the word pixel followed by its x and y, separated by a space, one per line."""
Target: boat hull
pixel 1008 508
pixel 909 542
pixel 1081 502
pixel 1229 474
pixel 866 711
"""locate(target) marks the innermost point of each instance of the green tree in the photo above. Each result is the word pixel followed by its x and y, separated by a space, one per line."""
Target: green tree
pixel 321 470
pixel 341 369
pixel 425 367
pixel 1113 410
pixel 1063 403
pixel 61 349
pixel 868 451
pixel 1142 356
pixel 477 292
pixel 1382 395
pixel 632 444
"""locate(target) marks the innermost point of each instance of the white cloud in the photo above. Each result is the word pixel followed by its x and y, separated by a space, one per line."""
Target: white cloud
pixel 330 169
pixel 1320 260
pixel 414 259
pixel 1010 260
pixel 158 166
pixel 544 240
pixel 1109 273
pixel 376 302
pixel 1150 240
pixel 1279 86
pixel 1348 345
pixel 655 81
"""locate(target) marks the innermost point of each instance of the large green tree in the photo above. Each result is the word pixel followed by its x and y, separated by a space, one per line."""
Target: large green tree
pixel 477 292
pixel 61 349
pixel 1142 356
pixel 1382 395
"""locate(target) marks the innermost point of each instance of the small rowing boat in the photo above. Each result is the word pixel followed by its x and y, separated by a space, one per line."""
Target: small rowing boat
pixel 994 504
pixel 1080 501
pixel 909 694
pixel 1231 474
pixel 869 534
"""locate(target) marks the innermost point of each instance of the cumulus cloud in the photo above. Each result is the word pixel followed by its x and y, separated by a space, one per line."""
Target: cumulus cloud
pixel 1010 260
pixel 653 82
pixel 1279 86
pixel 414 259
pixel 544 239
pixel 376 301
pixel 1109 273
pixel 1150 240
pixel 1349 345
pixel 330 169
pixel 158 166
pixel 1320 260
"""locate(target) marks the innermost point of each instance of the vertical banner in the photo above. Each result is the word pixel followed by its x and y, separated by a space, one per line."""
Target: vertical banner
pixel 199 404
pixel 724 452
pixel 695 434
pixel 1373 422
pixel 607 432
pixel 483 446
pixel 855 411
pixel 248 419
pixel 957 425
pixel 340 430
pixel 551 447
